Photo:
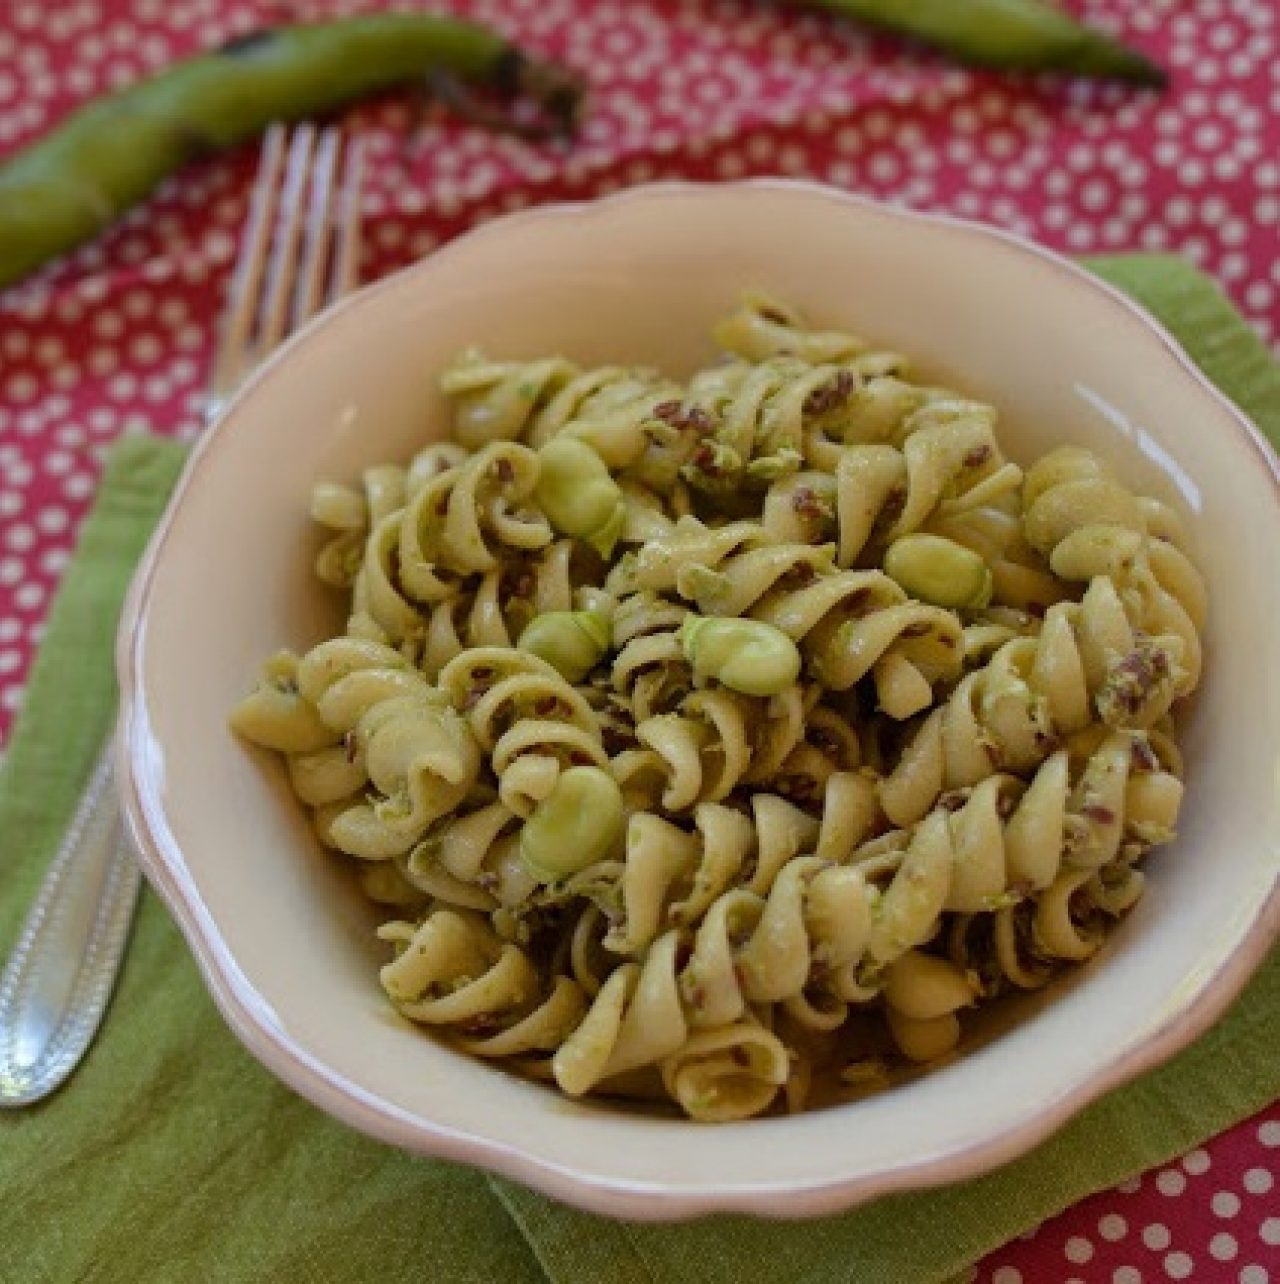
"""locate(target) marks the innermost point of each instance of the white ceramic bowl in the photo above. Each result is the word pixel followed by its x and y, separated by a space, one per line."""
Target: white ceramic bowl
pixel 284 941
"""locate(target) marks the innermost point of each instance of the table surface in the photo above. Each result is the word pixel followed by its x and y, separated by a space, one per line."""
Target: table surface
pixel 117 338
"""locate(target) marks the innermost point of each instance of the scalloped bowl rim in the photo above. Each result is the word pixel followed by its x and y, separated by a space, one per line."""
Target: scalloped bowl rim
pixel 371 1114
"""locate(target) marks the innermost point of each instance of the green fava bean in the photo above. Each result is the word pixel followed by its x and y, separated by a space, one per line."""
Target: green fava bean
pixel 578 823
pixel 112 153
pixel 1014 35
pixel 939 571
pixel 745 655
pixel 572 642
pixel 578 495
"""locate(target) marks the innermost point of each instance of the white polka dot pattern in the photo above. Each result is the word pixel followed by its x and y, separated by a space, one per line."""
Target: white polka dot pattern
pixel 1173 1227
pixel 117 337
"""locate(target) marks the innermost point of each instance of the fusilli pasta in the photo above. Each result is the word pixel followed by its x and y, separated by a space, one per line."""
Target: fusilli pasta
pixel 712 741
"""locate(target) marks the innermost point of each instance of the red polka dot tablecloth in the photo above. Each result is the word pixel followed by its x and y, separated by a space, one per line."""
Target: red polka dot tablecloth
pixel 117 338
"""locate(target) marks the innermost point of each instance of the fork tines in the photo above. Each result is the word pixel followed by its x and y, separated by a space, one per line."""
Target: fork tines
pixel 301 245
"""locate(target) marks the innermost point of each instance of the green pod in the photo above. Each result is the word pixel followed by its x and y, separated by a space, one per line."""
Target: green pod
pixel 111 154
pixel 578 823
pixel 1010 35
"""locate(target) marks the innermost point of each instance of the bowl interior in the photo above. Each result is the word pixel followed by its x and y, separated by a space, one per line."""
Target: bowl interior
pixel 280 930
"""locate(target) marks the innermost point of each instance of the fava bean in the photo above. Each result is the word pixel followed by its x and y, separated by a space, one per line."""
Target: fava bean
pixel 572 642
pixel 578 495
pixel 578 823
pixel 745 655
pixel 939 571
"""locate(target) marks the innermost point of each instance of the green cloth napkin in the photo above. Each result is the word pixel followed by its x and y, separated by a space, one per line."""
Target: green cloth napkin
pixel 173 1156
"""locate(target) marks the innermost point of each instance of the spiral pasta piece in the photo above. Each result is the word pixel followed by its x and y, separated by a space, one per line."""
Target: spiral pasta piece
pixel 471 859
pixel 851 624
pixel 1086 524
pixel 701 751
pixel 277 716
pixel 422 761
pixel 922 996
pixel 451 970
pixel 672 874
pixel 1087 662
pixel 633 419
pixel 942 470
pixel 731 1073
pixel 1050 869
pixel 760 415
pixel 461 516
pixel 525 718
pixel 351 513
pixel 762 327
pixel 385 726
pixel 496 606
pixel 649 670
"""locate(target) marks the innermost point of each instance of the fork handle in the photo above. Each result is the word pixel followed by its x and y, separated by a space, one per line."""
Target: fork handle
pixel 58 981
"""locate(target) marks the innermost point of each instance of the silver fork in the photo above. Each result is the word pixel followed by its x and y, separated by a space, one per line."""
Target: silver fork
pixel 299 252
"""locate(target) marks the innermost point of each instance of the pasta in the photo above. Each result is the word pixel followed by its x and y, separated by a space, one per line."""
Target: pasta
pixel 723 742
